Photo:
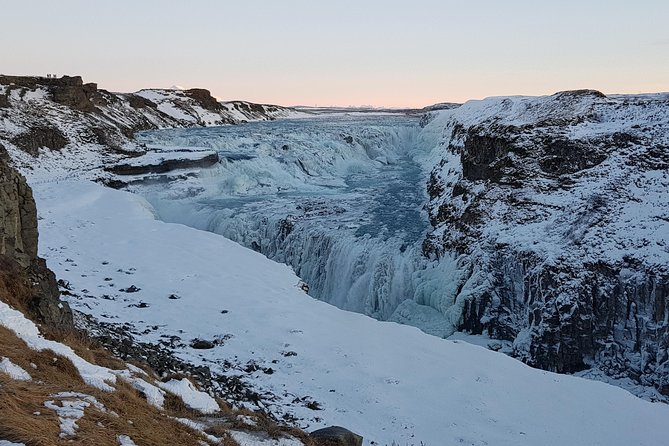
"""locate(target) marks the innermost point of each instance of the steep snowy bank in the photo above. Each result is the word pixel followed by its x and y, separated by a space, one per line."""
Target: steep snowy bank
pixel 386 381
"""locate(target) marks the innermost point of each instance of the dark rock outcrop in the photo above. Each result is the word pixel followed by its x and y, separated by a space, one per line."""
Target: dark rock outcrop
pixel 482 154
pixel 250 109
pixel 18 215
pixel 136 101
pixel 18 247
pixel 66 90
pixel 73 93
pixel 533 198
pixel 204 98
pixel 335 436
pixel 164 166
pixel 40 137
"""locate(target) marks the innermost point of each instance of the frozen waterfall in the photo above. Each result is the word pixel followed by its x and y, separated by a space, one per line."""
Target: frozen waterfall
pixel 339 200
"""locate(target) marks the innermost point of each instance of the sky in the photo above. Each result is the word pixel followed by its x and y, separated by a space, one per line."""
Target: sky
pixel 392 53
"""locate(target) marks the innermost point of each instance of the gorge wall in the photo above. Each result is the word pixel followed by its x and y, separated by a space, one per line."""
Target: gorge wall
pixel 560 206
pixel 25 279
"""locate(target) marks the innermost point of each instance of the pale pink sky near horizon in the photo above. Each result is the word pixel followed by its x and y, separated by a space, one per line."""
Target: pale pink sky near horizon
pixel 380 53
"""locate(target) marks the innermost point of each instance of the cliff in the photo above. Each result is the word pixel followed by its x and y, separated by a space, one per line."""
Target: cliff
pixel 26 281
pixel 558 206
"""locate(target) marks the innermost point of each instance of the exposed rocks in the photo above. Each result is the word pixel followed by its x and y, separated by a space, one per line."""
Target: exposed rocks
pixel 47 307
pixel 251 110
pixel 202 344
pixel 564 156
pixel 119 340
pixel 4 101
pixel 40 137
pixel 18 215
pixel 532 197
pixel 580 93
pixel 481 155
pixel 73 93
pixel 335 436
pixel 66 90
pixel 164 166
pixel 136 101
pixel 204 98
pixel 111 138
pixel 18 245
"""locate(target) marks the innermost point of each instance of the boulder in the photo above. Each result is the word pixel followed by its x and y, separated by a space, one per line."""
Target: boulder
pixel 335 436
pixel 202 344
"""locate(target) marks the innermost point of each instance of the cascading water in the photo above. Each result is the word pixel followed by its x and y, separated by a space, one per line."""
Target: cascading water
pixel 339 200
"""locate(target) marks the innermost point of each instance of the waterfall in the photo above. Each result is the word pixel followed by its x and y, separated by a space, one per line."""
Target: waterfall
pixel 339 202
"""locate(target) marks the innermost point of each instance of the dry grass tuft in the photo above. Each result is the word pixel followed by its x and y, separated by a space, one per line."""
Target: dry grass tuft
pixel 85 346
pixel 51 374
pixel 229 441
pixel 176 406
pixel 15 288
pixel 267 425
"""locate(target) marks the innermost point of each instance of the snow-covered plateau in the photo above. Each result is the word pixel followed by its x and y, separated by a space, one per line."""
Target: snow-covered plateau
pixel 536 226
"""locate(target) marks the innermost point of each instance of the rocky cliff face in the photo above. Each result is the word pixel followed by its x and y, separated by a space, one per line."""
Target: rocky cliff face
pixel 560 205
pixel 18 216
pixel 21 268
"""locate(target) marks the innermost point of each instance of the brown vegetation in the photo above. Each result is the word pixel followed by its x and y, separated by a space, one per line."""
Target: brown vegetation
pixel 26 419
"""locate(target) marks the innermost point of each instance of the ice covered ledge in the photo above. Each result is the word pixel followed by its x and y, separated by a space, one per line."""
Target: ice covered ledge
pixel 385 381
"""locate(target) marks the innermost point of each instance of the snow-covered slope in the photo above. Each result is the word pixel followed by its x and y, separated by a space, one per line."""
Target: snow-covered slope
pixel 559 207
pixel 75 127
pixel 305 358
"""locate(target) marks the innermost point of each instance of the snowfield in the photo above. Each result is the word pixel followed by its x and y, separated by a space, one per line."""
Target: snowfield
pixel 322 365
